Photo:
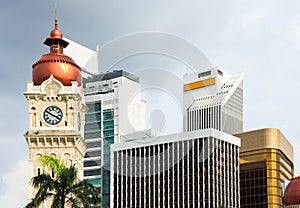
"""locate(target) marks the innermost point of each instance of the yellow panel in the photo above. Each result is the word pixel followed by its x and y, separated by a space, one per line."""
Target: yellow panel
pixel 200 84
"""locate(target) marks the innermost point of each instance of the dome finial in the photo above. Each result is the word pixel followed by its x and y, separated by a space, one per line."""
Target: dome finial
pixel 56 41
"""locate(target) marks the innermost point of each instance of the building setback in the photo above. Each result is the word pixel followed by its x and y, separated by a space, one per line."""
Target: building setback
pixel 190 169
pixel 266 161
pixel 213 99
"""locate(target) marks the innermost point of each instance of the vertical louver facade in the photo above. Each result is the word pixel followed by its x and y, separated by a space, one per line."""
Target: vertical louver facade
pixel 191 169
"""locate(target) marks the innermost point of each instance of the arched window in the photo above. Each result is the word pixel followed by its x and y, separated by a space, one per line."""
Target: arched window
pixel 38 171
pixel 67 159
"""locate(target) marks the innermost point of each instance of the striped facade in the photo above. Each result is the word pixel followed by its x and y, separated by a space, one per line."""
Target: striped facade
pixel 191 169
pixel 217 105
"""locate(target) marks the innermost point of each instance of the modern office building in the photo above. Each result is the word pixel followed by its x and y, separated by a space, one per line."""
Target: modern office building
pixel 114 108
pixel 213 99
pixel 266 161
pixel 190 169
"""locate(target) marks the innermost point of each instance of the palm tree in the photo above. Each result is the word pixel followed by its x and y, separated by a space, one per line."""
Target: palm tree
pixel 62 187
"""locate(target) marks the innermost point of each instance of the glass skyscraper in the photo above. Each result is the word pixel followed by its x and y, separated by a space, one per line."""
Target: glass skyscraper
pixel 107 96
pixel 99 135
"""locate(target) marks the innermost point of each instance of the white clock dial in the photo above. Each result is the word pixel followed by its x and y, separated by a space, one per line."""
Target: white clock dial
pixel 53 115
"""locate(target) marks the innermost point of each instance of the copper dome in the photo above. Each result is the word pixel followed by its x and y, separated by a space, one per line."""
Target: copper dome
pixel 56 33
pixel 62 67
pixel 292 192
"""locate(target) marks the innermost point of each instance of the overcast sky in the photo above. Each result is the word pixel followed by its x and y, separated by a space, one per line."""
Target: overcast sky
pixel 260 38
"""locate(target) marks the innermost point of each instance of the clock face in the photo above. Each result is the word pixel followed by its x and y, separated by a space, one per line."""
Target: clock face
pixel 53 115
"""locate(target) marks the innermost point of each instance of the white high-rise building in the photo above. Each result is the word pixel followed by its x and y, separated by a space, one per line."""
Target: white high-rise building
pixel 115 108
pixel 196 168
pixel 190 169
pixel 213 99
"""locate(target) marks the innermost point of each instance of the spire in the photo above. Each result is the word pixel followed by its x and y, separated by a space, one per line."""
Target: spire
pixel 56 20
pixel 56 41
pixel 56 33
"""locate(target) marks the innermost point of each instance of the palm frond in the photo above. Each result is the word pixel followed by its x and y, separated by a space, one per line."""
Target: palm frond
pixel 57 203
pixel 89 191
pixel 53 163
pixel 75 203
pixel 42 179
pixel 63 188
pixel 39 198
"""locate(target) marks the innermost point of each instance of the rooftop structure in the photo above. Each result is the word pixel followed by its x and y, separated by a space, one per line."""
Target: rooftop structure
pixel 56 63
pixel 213 99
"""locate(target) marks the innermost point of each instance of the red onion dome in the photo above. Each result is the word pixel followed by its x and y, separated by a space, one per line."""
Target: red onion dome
pixel 62 67
pixel 292 192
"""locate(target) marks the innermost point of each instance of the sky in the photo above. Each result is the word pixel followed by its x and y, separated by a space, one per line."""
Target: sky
pixel 259 38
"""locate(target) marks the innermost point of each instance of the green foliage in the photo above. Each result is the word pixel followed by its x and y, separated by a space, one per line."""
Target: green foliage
pixel 53 163
pixel 63 188
pixel 222 206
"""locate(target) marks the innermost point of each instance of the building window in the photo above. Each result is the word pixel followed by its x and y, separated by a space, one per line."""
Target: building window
pixel 204 74
pixel 220 72
pixel 39 171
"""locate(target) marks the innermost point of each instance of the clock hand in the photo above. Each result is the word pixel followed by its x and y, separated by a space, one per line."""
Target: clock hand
pixel 53 114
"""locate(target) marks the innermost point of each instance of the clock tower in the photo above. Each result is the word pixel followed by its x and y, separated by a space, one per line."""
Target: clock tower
pixel 56 109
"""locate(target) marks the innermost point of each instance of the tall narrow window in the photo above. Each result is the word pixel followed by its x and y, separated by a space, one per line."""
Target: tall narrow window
pixel 39 171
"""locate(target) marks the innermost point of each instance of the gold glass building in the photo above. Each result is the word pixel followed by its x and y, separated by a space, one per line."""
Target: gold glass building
pixel 266 161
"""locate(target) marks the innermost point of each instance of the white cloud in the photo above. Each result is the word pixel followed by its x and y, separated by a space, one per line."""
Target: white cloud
pixel 250 21
pixel 16 186
pixel 292 39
